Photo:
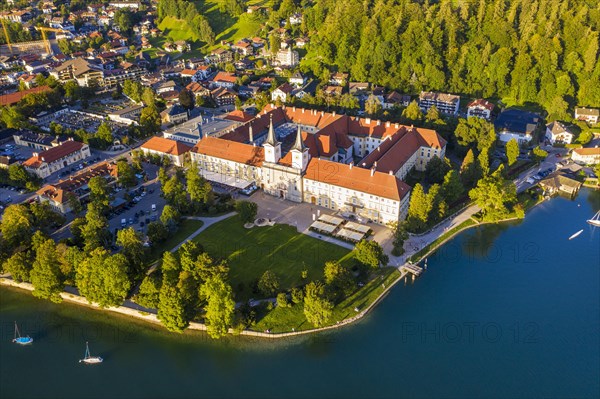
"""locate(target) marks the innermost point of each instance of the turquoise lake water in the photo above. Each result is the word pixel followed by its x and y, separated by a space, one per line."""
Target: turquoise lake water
pixel 502 311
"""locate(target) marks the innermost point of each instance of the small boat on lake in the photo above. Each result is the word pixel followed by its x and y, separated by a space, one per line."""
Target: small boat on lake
pixel 576 234
pixel 595 220
pixel 88 359
pixel 21 340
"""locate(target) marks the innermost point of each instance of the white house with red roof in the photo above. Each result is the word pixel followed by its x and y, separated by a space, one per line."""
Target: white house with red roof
pixel 174 150
pixel 480 108
pixel 44 163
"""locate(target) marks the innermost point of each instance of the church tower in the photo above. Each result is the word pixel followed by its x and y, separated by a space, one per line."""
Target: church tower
pixel 272 146
pixel 299 152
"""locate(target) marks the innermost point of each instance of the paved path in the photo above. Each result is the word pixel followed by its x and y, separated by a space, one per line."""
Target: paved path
pixel 207 223
pixel 416 242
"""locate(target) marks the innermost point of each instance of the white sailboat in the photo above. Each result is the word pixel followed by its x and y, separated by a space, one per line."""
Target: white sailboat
pixel 21 340
pixel 576 234
pixel 90 359
pixel 595 220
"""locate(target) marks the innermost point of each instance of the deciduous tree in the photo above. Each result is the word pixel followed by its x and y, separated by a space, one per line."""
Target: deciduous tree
pixel 220 306
pixel 317 309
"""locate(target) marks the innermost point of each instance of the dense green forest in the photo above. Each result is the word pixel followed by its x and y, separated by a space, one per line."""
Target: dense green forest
pixel 543 52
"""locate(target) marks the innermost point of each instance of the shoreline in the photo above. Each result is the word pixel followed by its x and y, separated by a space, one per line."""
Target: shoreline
pixel 152 317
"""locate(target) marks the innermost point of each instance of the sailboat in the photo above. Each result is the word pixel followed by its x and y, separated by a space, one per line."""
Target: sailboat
pixel 576 234
pixel 21 340
pixel 595 220
pixel 90 359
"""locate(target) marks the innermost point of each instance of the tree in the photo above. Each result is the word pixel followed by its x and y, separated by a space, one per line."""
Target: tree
pixel 198 188
pixel 475 133
pixel 94 232
pixel 157 232
pixel 171 309
pixel 297 295
pixel 400 235
pixel 170 217
pixel 133 247
pixel 220 306
pixel 188 255
pixel 282 300
pixel 247 210
pixel 102 278
pixel 104 135
pixel 268 284
pixel 149 293
pixel 99 193
pixel 150 120
pixel 494 195
pixel 170 268
pixel 126 174
pixel 338 277
pixel 74 203
pixel 274 43
pixel 436 169
pixel 418 209
pixel 452 187
pixel 16 225
pixel 469 170
pixel 19 266
pixel 373 106
pixel 148 97
pixel 370 254
pixel 317 309
pixel 46 276
pixel 433 115
pixel 512 151
pixel 413 112
pixel 174 193
pixel 187 100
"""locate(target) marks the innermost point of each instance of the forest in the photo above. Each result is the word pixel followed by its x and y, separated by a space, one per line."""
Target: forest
pixel 519 51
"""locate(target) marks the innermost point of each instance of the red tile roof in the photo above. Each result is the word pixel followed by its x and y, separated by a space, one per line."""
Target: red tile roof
pixel 238 116
pixel 166 146
pixel 54 153
pixel 225 77
pixel 355 178
pixel 230 150
pixel 481 103
pixel 13 98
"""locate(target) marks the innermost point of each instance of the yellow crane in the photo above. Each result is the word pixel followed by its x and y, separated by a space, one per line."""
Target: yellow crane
pixel 8 43
pixel 44 29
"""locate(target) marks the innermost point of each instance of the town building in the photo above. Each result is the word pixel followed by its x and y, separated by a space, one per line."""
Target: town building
pixel 174 150
pixel 224 79
pixel 223 96
pixel 590 115
pixel 558 133
pixel 14 98
pixel 80 70
pixel 287 58
pixel 586 156
pixel 283 93
pixel 128 116
pixel 175 114
pixel 307 156
pixel 37 141
pixel 57 195
pixel 517 124
pixel 480 108
pixel 45 163
pixel 447 104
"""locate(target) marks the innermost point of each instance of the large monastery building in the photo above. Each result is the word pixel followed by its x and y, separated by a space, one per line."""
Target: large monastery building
pixel 308 156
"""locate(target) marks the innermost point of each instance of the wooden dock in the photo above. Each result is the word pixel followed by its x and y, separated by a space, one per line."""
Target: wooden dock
pixel 413 269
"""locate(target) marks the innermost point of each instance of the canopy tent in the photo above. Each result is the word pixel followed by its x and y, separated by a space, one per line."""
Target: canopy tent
pixel 320 226
pixel 351 235
pixel 361 228
pixel 227 180
pixel 335 221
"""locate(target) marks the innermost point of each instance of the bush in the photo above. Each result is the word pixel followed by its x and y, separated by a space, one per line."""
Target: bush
pixel 247 210
pixel 297 295
pixel 282 300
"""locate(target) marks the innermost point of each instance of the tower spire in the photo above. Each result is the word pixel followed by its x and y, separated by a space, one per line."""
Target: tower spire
pixel 298 144
pixel 271 135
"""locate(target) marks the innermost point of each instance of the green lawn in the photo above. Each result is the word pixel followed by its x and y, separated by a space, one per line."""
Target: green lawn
pixel 285 319
pixel 176 29
pixel 279 248
pixel 186 228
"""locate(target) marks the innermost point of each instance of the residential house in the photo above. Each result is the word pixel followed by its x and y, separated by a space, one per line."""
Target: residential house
pixel 590 115
pixel 80 70
pixel 174 115
pixel 558 133
pixel 517 124
pixel 283 93
pixel 447 104
pixel 288 58
pixel 586 156
pixel 395 99
pixel 221 55
pixel 480 108
pixel 558 182
pixel 198 90
pixel 338 79
pixel 45 163
pixel 224 79
pixel 37 141
pixel 297 79
pixel 164 87
pixel 332 90
pixel 174 150
pixel 248 91
pixel 243 47
pixel 223 96
pixel 296 19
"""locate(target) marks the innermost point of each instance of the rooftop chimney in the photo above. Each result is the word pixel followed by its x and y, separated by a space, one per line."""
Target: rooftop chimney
pixel 396 126
pixel 378 122
pixel 387 124
pixel 351 164
pixel 302 110
pixel 368 121
pixel 372 171
pixel 391 173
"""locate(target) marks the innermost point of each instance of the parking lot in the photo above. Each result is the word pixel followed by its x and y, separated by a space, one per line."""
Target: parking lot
pixel 80 120
pixel 16 152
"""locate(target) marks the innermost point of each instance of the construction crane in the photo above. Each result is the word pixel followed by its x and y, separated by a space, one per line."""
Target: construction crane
pixel 44 29
pixel 8 43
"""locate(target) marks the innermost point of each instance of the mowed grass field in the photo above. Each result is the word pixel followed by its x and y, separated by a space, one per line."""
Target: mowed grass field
pixel 279 248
